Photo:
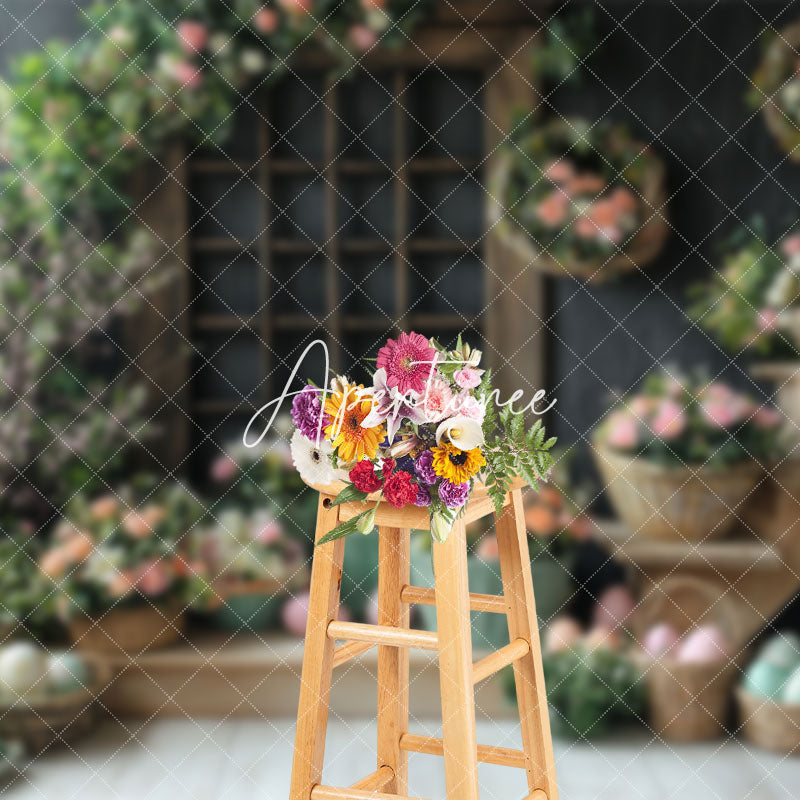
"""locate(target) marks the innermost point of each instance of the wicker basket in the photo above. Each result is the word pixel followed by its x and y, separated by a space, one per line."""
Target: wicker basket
pixel 129 629
pixel 774 726
pixel 783 48
pixel 688 702
pixel 675 503
pixel 40 722
pixel 640 250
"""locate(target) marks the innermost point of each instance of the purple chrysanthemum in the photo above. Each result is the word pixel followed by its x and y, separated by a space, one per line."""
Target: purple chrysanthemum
pixel 453 495
pixel 306 412
pixel 423 496
pixel 423 466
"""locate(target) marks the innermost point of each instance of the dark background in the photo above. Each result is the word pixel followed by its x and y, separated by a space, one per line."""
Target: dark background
pixel 678 73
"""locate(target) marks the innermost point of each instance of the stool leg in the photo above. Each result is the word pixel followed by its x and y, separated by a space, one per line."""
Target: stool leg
pixel 393 575
pixel 315 686
pixel 515 567
pixel 455 665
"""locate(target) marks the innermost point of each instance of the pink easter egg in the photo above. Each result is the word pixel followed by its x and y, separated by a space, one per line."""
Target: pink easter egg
pixel 561 634
pixel 614 607
pixel 704 645
pixel 294 614
pixel 660 639
pixel 371 609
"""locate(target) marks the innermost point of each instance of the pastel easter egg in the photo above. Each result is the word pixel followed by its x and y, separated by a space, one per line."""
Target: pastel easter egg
pixel 67 671
pixel 660 639
pixel 782 649
pixel 706 644
pixel 791 691
pixel 294 614
pixel 614 607
pixel 601 637
pixel 766 679
pixel 561 634
pixel 22 666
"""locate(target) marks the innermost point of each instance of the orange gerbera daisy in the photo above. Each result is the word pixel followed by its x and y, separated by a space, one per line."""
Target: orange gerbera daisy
pixel 347 410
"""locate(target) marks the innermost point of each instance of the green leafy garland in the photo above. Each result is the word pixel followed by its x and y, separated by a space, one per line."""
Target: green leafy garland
pixel 76 122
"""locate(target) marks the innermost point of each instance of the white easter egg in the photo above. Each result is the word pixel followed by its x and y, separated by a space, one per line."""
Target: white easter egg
pixel 660 639
pixel 706 644
pixel 22 666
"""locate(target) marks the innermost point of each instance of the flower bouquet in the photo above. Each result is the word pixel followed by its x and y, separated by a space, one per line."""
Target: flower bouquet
pixel 122 583
pixel 581 200
pixel 424 434
pixel 679 458
pixel 251 564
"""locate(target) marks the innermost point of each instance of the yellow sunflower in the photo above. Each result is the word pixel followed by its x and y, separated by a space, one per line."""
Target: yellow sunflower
pixel 456 466
pixel 346 410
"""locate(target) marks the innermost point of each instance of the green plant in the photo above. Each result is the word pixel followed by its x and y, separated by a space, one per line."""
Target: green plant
pixel 749 302
pixel 591 689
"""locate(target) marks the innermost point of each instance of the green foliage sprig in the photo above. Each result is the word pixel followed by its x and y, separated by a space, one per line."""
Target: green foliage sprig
pixel 512 450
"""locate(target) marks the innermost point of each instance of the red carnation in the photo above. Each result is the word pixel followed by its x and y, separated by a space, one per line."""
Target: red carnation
pixel 399 490
pixel 388 467
pixel 364 478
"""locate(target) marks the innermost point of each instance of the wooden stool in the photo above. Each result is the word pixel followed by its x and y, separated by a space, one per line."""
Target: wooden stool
pixel 453 641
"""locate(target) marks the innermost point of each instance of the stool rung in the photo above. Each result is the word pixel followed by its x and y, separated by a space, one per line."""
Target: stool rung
pixel 494 662
pixel 504 756
pixel 345 652
pixel 332 793
pixel 383 634
pixel 375 781
pixel 537 794
pixel 493 603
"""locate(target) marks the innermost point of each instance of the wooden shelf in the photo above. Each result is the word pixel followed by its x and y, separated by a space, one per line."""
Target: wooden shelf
pixel 258 675
pixel 740 552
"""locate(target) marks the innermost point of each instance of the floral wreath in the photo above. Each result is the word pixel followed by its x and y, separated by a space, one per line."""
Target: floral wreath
pixel 421 435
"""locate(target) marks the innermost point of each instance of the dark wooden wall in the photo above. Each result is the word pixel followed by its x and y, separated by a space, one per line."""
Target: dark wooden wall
pixel 678 73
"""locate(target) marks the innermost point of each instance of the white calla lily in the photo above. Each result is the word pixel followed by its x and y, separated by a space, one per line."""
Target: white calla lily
pixel 463 432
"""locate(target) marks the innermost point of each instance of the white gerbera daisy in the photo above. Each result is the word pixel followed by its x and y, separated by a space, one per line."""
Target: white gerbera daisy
pixel 312 462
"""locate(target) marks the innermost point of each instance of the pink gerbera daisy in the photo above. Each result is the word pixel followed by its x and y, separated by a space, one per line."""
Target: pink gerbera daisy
pixel 408 362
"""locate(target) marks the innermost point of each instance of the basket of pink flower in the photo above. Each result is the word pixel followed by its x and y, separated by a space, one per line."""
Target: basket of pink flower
pixel 123 586
pixel 579 199
pixel 680 458
pixel 425 434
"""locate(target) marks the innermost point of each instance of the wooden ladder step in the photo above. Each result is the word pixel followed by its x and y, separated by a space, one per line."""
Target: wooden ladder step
pixel 376 781
pixel 492 603
pixel 494 662
pixel 383 635
pixel 504 756
pixel 333 793
pixel 345 652
pixel 537 794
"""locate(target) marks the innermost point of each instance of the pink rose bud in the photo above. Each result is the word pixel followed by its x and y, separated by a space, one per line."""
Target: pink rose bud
pixel 266 21
pixel 193 36
pixel 467 378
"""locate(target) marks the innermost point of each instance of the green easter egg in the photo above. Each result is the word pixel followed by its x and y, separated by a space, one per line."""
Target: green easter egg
pixel 791 692
pixel 766 678
pixel 782 649
pixel 68 671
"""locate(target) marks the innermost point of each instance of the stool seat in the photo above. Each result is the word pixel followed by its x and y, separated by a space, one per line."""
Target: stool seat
pixel 393 636
pixel 412 517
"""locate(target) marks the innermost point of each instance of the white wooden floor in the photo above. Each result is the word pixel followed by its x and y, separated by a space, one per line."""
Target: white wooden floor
pixel 183 759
